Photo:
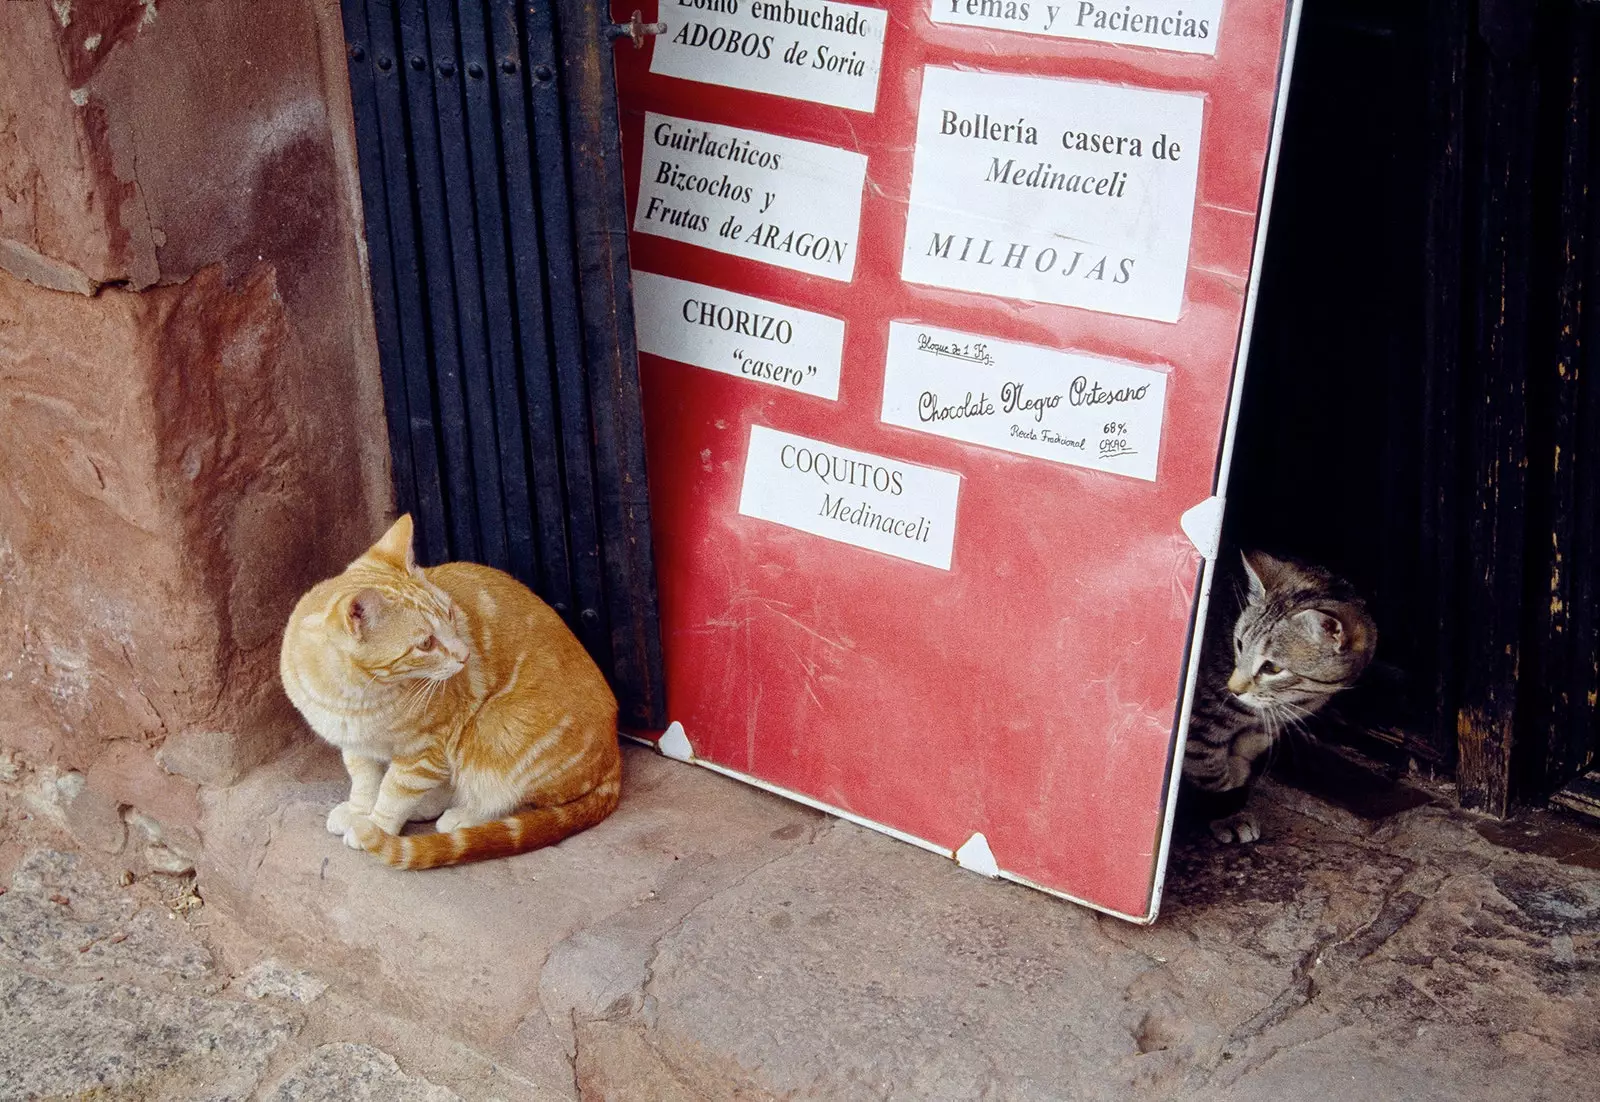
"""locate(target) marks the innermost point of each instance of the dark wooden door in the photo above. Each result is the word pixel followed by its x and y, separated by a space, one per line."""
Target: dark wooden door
pixel 1422 411
pixel 496 232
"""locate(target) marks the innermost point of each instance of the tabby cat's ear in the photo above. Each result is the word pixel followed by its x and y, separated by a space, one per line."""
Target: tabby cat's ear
pixel 1326 628
pixel 1265 572
pixel 360 612
pixel 1258 588
pixel 395 549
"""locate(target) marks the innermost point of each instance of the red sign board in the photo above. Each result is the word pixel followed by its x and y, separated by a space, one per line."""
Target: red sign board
pixel 939 305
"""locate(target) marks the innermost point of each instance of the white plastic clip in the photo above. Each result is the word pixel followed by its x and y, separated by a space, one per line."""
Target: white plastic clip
pixel 976 856
pixel 674 743
pixel 1203 525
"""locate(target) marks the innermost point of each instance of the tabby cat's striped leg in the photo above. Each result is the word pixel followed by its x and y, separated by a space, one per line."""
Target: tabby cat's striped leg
pixel 366 775
pixel 1240 827
pixel 406 783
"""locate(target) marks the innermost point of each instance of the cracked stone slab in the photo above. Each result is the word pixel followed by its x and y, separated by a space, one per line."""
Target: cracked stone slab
pixel 1474 979
pixel 115 1041
pixel 616 1063
pixel 708 941
pixel 62 912
pixel 270 980
pixel 475 937
pixel 858 968
pixel 601 971
pixel 346 1072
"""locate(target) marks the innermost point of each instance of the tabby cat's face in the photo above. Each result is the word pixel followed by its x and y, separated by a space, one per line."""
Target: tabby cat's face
pixel 1298 639
pixel 390 622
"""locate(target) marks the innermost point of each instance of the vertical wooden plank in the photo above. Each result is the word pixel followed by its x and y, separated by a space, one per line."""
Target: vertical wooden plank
pixel 1557 721
pixel 498 324
pixel 380 267
pixel 438 269
pixel 1579 733
pixel 611 360
pixel 561 289
pixel 1493 603
pixel 1443 273
pixel 412 313
pixel 457 220
pixel 530 311
pixel 1585 722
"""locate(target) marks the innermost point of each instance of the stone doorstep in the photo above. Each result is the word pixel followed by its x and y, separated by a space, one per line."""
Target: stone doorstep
pixel 1339 787
pixel 1568 839
pixel 1343 789
pixel 710 941
pixel 465 950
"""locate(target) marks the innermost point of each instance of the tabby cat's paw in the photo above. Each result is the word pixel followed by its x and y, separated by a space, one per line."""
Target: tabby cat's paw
pixel 1241 828
pixel 340 818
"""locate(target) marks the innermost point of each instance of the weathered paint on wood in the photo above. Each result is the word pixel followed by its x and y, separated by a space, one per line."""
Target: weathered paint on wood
pixel 1505 100
pixel 1562 719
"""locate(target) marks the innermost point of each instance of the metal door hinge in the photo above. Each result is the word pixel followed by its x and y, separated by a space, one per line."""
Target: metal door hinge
pixel 635 29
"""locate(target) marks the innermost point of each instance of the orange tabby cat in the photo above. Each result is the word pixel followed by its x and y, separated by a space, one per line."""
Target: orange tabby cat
pixel 451 692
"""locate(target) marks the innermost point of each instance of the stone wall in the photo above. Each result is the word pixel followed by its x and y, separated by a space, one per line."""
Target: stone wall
pixel 191 422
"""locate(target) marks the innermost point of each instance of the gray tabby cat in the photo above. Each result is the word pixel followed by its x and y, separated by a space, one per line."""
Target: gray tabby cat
pixel 1302 636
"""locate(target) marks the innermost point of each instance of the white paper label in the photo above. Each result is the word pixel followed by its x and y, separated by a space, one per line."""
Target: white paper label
pixel 738 335
pixel 786 202
pixel 1054 190
pixel 813 50
pixel 1062 406
pixel 854 497
pixel 1187 26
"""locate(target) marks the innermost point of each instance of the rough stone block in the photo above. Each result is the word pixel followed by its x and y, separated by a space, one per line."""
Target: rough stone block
pixel 60 199
pixel 95 820
pixel 158 528
pixel 355 1073
pixel 110 1040
pixel 65 916
pixel 24 263
pixel 220 758
pixel 129 776
pixel 191 419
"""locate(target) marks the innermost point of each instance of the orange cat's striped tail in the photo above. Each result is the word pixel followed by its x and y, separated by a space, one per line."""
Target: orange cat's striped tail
pixel 504 837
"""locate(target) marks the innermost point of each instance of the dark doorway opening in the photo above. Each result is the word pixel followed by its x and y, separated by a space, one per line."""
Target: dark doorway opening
pixel 1422 409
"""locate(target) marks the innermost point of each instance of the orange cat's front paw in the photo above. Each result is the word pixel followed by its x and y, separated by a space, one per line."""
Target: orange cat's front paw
pixel 340 818
pixel 364 834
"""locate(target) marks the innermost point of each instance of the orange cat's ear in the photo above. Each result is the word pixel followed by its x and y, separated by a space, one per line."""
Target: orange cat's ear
pixel 360 612
pixel 394 549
